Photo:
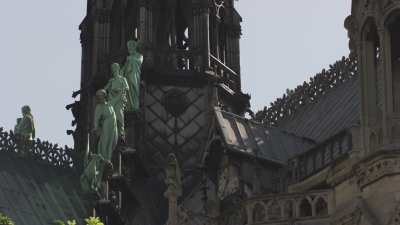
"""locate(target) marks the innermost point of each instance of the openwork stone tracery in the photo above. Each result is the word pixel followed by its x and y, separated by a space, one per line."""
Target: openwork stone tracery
pixel 308 93
pixel 37 149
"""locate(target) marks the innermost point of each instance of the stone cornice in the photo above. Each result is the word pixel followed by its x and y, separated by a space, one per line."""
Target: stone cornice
pixel 376 166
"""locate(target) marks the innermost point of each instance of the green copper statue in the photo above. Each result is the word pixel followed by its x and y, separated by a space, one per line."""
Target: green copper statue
pixel 132 69
pixel 117 88
pixel 25 128
pixel 105 127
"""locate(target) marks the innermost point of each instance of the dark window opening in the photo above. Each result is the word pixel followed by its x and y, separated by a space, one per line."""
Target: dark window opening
pixel 259 213
pixel 305 208
pixel 321 207
pixel 394 29
pixel 372 54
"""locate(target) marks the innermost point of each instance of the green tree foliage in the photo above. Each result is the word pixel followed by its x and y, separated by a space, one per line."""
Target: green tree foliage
pixel 4 220
pixel 89 221
pixel 93 221
pixel 69 222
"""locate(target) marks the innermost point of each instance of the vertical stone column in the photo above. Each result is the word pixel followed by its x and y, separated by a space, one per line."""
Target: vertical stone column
pixel 201 34
pixel 173 180
pixel 365 101
pixel 386 80
pixel 146 31
pixel 81 136
pixel 172 209
pixel 196 35
pixel 249 212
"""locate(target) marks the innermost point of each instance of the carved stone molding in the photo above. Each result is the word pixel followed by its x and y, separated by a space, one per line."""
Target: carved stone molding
pixel 395 219
pixel 377 166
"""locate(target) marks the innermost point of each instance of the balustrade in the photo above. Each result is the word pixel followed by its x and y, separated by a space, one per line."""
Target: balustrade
pixel 320 157
pixel 43 151
pixel 289 208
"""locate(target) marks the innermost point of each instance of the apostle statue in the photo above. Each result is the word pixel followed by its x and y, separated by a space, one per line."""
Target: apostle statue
pixel 117 89
pixel 132 70
pixel 174 188
pixel 25 127
pixel 105 128
pixel 24 130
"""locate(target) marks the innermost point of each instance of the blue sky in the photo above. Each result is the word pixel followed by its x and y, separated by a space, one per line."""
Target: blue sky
pixel 283 44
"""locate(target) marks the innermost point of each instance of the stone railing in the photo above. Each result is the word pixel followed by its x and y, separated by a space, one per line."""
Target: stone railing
pixel 228 76
pixel 320 157
pixel 307 93
pixel 289 209
pixel 38 150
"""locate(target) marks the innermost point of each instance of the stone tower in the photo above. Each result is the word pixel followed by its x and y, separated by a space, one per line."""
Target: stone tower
pixel 191 65
pixel 373 30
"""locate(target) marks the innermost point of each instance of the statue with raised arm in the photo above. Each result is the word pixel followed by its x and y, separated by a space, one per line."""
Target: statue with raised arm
pixel 174 188
pixel 117 89
pixel 132 70
pixel 105 128
pixel 25 127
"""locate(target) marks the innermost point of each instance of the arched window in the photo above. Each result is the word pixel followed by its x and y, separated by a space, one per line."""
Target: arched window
pixel 288 209
pixel 183 20
pixel 274 211
pixel 321 207
pixel 218 32
pixel 305 208
pixel 393 26
pixel 370 59
pixel 259 213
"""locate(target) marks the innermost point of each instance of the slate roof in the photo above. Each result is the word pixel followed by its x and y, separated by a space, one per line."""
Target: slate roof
pixel 321 108
pixel 254 139
pixel 337 110
pixel 33 193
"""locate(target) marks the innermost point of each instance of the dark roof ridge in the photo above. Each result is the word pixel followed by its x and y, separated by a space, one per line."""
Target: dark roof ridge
pixel 309 92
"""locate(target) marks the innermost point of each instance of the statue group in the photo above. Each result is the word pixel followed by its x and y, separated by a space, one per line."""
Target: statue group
pixel 120 95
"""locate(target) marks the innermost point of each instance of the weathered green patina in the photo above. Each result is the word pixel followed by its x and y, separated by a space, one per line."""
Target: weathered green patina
pixel 132 70
pixel 117 88
pixel 105 127
pixel 25 127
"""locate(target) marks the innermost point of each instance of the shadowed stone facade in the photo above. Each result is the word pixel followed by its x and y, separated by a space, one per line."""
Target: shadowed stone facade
pixel 326 152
